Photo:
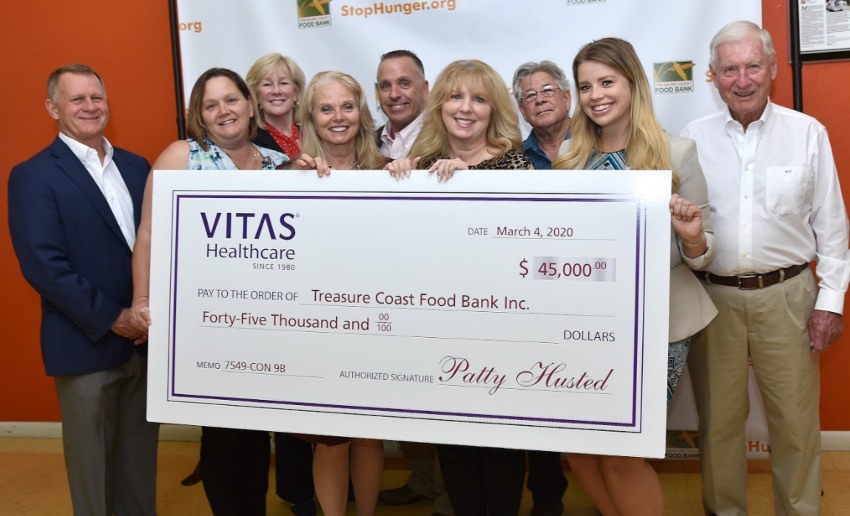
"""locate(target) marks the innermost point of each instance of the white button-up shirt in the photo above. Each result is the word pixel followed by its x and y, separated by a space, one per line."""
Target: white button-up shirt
pixel 399 146
pixel 775 198
pixel 109 180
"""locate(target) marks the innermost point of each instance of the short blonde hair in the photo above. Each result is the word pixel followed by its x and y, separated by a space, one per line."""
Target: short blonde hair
pixel 268 64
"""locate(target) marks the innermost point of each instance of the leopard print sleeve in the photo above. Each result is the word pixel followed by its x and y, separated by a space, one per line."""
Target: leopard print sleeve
pixel 511 160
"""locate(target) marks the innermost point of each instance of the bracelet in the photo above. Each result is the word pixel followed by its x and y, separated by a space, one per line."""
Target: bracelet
pixel 696 244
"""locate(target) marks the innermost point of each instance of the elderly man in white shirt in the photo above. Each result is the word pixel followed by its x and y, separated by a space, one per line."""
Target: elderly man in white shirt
pixel 776 207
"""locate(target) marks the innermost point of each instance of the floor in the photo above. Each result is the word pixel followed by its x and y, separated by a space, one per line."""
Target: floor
pixel 32 482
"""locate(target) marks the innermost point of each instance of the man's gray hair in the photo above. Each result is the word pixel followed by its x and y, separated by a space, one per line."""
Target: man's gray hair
pixel 76 68
pixel 533 67
pixel 741 30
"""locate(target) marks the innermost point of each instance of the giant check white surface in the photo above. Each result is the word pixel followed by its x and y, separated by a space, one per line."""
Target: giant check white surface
pixel 514 309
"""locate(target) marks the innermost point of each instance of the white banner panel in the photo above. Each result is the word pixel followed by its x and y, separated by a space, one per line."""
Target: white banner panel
pixel 682 416
pixel 531 316
pixel 671 37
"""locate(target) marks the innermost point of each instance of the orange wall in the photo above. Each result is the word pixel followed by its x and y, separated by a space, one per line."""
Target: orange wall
pixel 129 44
pixel 820 102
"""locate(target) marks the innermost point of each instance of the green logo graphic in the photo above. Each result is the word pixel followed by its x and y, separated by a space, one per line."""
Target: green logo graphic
pixel 674 71
pixel 313 14
pixel 312 8
pixel 673 77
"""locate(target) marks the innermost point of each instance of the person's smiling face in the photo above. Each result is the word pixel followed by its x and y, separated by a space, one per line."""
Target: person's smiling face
pixel 225 111
pixel 605 96
pixel 541 111
pixel 466 115
pixel 276 93
pixel 743 75
pixel 80 108
pixel 402 91
pixel 336 113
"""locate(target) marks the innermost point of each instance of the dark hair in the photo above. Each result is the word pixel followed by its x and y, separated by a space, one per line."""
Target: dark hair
pixel 405 53
pixel 195 121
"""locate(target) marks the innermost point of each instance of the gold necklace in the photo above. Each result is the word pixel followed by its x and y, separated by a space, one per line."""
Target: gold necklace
pixel 355 165
pixel 254 159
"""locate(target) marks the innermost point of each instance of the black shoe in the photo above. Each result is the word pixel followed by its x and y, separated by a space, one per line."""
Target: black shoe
pixel 400 496
pixel 194 477
pixel 552 509
pixel 305 508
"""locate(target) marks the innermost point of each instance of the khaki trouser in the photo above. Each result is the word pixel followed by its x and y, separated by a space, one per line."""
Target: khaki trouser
pixel 769 326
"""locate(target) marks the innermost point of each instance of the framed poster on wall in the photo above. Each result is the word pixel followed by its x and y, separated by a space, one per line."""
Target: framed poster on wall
pixel 824 29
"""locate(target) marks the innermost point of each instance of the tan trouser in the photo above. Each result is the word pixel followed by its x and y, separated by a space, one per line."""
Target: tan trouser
pixel 770 326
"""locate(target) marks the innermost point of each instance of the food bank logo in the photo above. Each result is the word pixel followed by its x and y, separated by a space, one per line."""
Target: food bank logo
pixel 314 13
pixel 673 77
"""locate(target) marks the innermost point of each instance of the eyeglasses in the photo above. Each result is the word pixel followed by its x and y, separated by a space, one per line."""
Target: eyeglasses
pixel 545 93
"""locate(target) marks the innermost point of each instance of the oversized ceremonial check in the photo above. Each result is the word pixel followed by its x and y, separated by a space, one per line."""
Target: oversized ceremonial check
pixel 501 308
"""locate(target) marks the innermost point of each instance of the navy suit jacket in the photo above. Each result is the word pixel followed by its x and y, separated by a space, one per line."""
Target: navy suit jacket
pixel 73 253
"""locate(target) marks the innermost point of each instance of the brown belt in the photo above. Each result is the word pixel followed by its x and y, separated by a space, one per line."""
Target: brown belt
pixel 753 281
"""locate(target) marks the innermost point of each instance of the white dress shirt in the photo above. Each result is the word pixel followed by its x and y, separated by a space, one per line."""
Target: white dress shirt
pixel 109 180
pixel 775 197
pixel 398 147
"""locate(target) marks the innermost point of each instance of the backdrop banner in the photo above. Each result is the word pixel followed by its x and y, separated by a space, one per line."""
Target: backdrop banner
pixel 672 38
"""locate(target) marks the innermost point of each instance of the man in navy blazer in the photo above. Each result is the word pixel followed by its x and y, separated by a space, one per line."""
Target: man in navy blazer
pixel 73 212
